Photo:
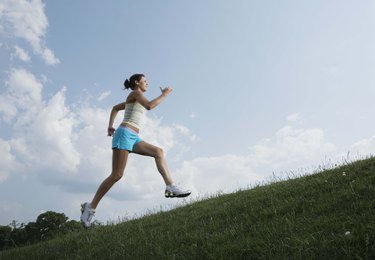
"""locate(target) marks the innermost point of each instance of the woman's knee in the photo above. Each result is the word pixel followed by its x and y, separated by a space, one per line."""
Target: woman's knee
pixel 116 176
pixel 159 152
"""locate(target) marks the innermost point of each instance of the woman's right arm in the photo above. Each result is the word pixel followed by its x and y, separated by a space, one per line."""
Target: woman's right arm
pixel 137 95
pixel 113 115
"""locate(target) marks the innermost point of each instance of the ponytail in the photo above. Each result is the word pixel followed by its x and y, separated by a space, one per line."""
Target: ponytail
pixel 127 84
pixel 130 83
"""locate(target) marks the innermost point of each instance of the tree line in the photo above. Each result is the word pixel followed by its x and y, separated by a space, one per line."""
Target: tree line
pixel 48 225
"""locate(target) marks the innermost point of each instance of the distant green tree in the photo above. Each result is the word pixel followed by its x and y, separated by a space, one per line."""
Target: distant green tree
pixel 5 237
pixel 18 235
pixel 32 233
pixel 15 224
pixel 13 235
pixel 48 225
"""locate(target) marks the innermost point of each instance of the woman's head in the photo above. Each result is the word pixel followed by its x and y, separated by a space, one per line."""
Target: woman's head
pixel 133 81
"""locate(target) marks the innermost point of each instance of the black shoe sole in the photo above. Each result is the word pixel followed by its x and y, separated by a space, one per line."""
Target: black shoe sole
pixel 173 195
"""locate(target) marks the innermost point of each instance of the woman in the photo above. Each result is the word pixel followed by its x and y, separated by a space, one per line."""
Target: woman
pixel 126 140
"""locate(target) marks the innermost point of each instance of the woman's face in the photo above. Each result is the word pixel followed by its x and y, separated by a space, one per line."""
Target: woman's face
pixel 142 84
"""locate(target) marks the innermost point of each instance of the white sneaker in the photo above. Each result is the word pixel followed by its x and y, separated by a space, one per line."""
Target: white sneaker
pixel 173 191
pixel 87 214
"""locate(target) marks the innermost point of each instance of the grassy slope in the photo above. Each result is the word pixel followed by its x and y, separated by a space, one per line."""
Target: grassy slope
pixel 307 217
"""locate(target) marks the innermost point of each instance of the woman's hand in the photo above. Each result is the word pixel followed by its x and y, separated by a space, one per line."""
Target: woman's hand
pixel 111 131
pixel 165 91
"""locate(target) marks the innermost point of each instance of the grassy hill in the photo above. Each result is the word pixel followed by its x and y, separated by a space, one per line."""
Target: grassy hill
pixel 327 215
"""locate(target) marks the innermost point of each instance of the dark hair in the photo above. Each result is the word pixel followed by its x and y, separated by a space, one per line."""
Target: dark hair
pixel 130 83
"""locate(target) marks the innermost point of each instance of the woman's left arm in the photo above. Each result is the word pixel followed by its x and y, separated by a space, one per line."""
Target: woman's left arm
pixel 112 117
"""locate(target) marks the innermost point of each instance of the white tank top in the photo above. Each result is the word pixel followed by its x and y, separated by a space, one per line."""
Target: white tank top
pixel 134 114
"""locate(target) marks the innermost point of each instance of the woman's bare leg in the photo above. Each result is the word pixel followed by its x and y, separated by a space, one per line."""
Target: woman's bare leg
pixel 147 149
pixel 119 159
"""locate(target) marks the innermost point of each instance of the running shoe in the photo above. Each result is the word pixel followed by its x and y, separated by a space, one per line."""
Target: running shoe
pixel 87 214
pixel 173 191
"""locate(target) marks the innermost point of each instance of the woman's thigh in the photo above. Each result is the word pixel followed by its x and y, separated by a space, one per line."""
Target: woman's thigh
pixel 146 149
pixel 119 160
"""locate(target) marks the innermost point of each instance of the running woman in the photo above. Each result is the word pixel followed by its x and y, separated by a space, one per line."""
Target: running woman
pixel 126 140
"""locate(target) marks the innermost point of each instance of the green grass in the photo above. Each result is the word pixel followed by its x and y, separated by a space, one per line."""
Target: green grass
pixel 327 215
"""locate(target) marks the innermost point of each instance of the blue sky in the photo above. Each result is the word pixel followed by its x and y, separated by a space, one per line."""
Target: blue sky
pixel 261 89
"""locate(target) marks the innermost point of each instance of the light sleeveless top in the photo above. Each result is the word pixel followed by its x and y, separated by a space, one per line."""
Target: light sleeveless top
pixel 134 114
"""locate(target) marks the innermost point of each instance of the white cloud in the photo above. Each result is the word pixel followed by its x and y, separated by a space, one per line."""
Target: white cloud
pixel 293 145
pixel 7 109
pixel 7 160
pixel 192 115
pixel 48 141
pixel 21 149
pixel 226 173
pixel 185 131
pixel 289 149
pixel 23 93
pixel 22 54
pixel 51 134
pixel 293 117
pixel 104 95
pixel 49 56
pixel 157 135
pixel 92 143
pixel 27 20
pixel 24 86
pixel 44 78
pixel 364 147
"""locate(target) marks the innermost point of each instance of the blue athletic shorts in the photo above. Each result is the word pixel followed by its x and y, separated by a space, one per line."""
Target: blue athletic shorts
pixel 125 139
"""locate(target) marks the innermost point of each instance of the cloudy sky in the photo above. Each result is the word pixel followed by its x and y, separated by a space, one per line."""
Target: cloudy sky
pixel 262 90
